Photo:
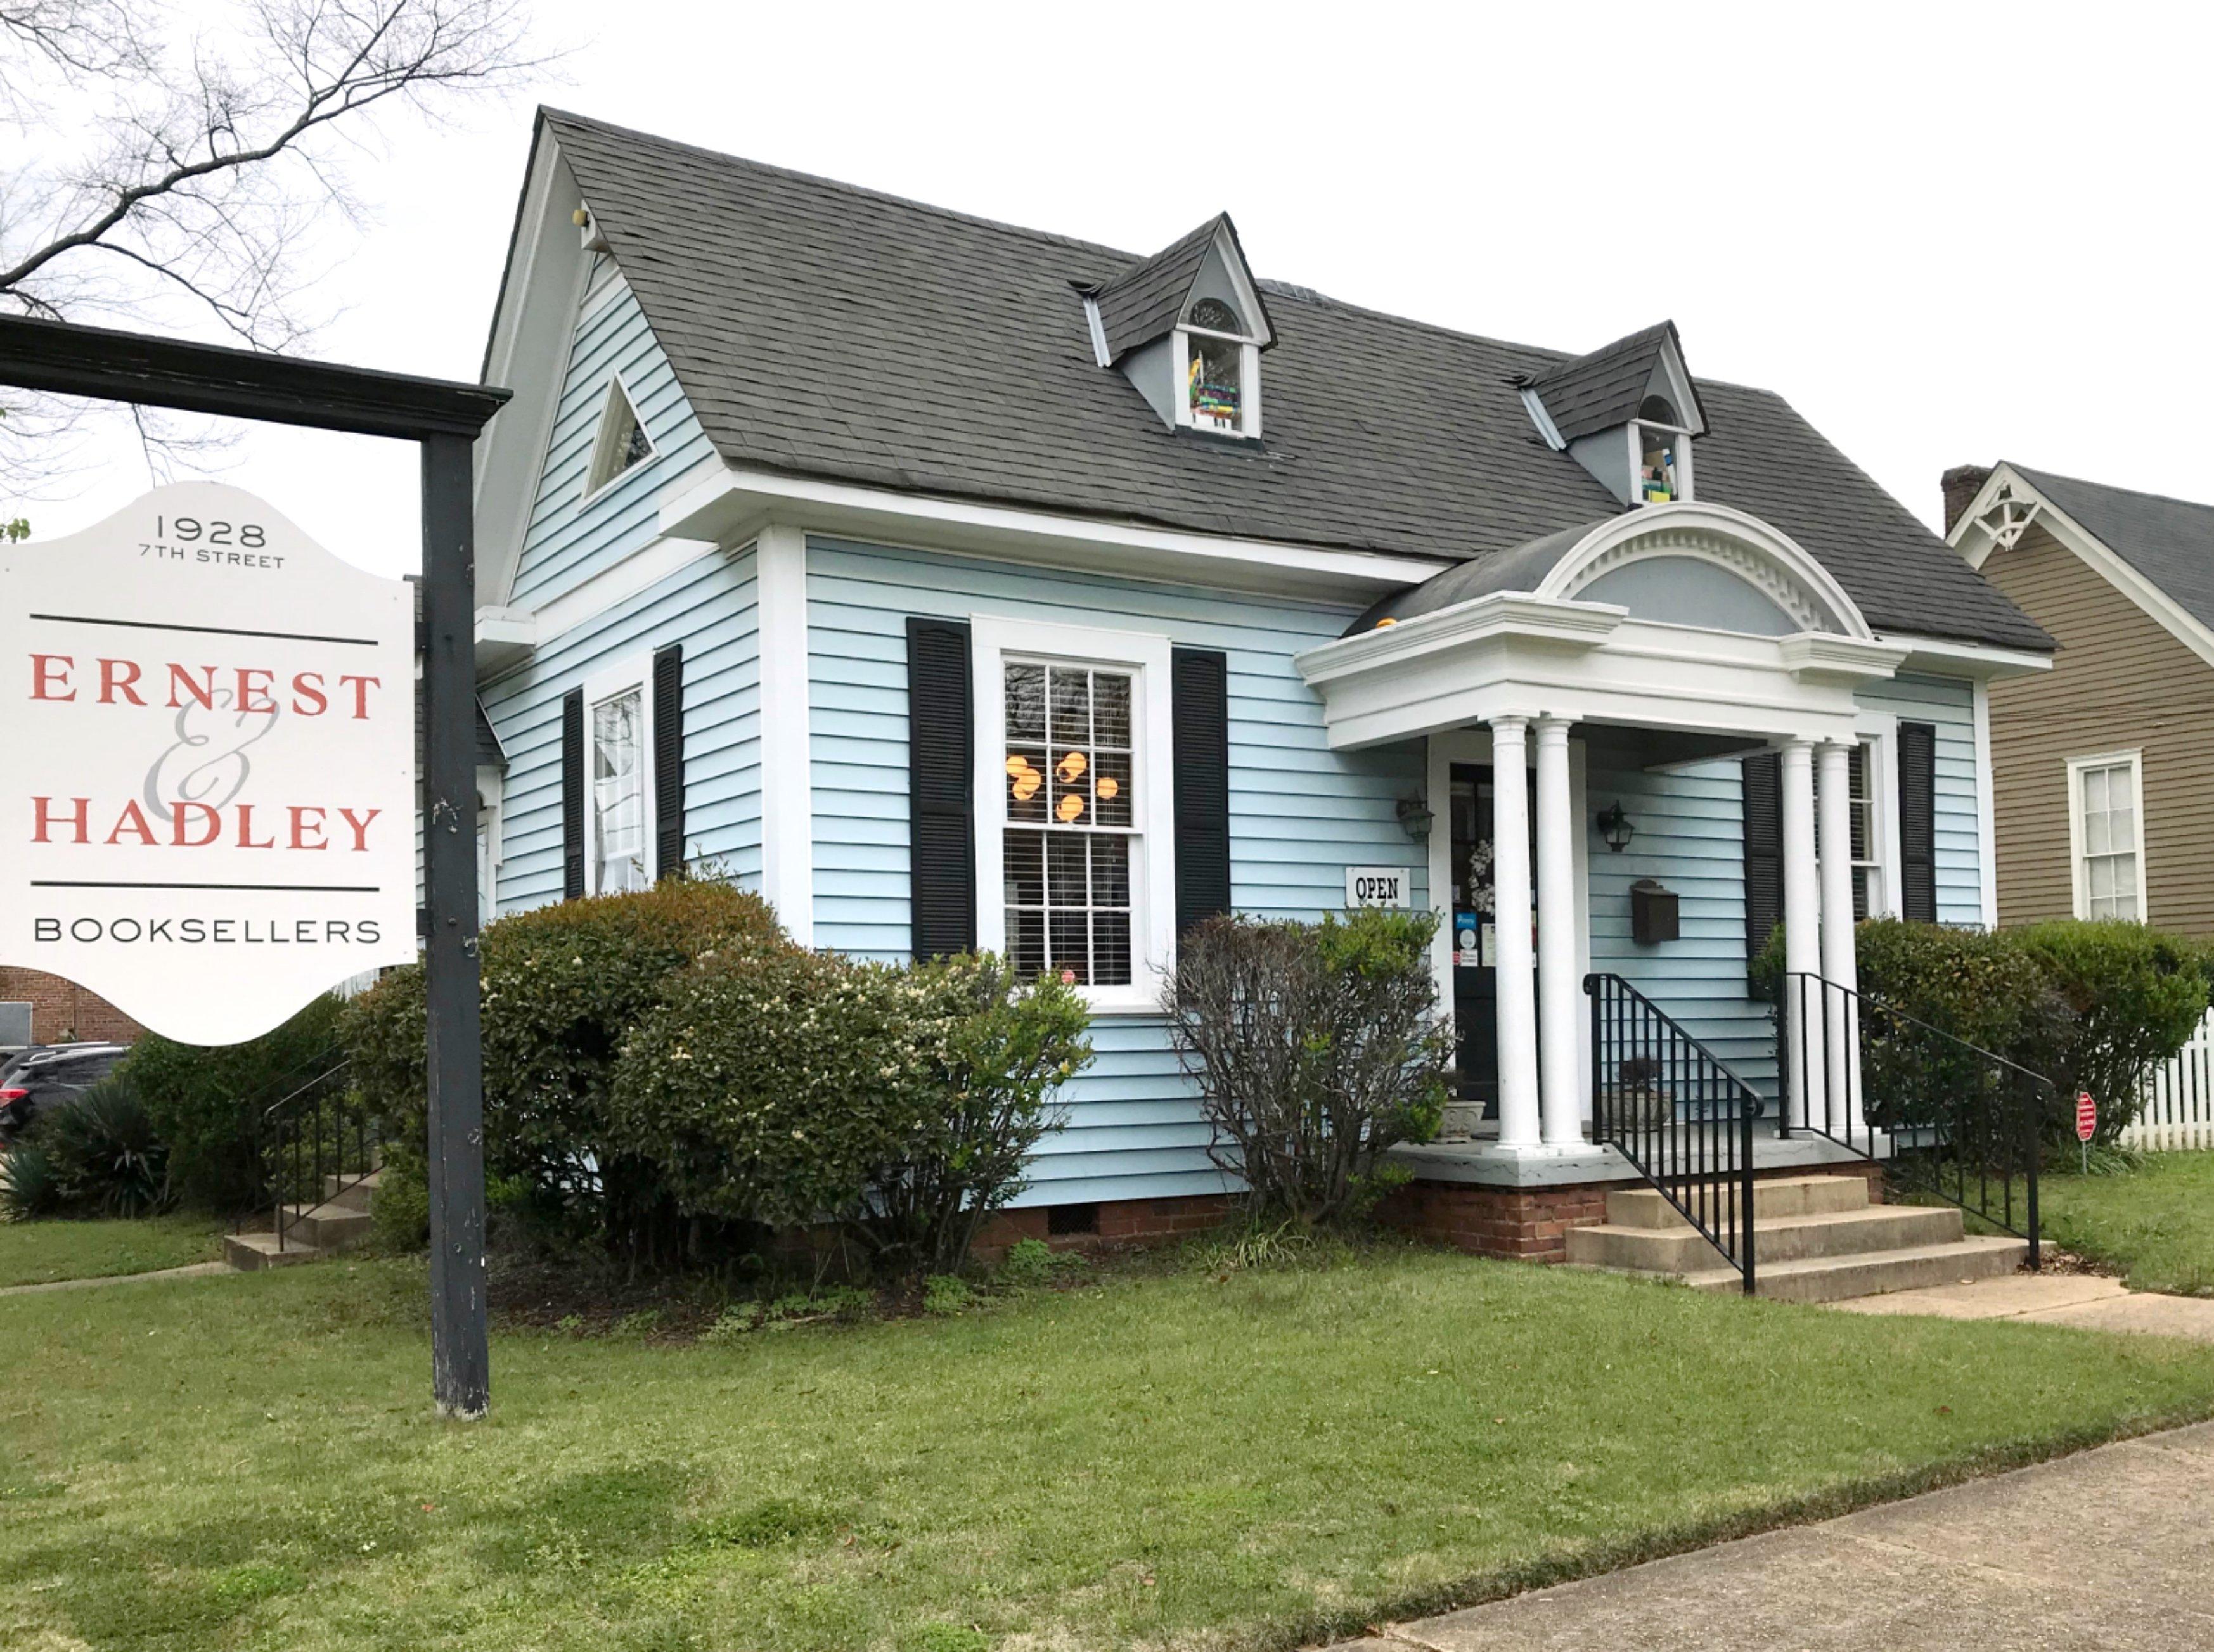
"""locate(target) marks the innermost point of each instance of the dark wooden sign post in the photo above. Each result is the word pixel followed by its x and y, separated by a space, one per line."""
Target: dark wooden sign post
pixel 444 417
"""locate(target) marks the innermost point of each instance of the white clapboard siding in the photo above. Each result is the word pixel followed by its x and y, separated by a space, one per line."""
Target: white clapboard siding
pixel 2179 1098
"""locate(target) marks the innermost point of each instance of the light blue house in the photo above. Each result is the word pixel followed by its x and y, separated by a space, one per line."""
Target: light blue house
pixel 955 584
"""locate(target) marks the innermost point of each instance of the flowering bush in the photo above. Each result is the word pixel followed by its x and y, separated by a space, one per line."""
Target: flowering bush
pixel 899 1102
pixel 1315 1047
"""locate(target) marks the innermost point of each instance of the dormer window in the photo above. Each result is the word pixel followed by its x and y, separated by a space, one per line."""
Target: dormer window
pixel 1187 327
pixel 1626 412
pixel 1220 360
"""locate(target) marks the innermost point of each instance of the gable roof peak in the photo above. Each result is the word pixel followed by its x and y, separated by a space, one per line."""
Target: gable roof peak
pixel 1604 388
pixel 1147 299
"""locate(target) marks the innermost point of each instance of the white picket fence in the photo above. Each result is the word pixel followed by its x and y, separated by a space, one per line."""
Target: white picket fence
pixel 2179 1098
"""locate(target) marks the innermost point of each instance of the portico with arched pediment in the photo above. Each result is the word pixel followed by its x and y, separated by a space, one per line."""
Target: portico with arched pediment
pixel 1671 634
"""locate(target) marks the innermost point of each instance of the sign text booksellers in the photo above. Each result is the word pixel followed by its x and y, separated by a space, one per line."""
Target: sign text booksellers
pixel 207 788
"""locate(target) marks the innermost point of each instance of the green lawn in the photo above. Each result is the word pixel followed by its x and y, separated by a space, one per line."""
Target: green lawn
pixel 1173 1458
pixel 37 1252
pixel 2155 1224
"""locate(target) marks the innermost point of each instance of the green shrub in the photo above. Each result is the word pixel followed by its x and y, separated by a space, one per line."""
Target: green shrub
pixel 94 1156
pixel 400 1214
pixel 765 1087
pixel 900 1102
pixel 2088 1005
pixel 563 985
pixel 992 1050
pixel 206 1102
pixel 2135 996
pixel 1315 1047
pixel 27 1187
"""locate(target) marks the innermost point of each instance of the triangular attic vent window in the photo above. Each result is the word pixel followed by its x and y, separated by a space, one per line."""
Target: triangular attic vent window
pixel 621 442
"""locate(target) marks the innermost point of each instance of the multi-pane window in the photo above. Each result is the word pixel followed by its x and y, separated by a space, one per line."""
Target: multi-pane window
pixel 619 792
pixel 1071 821
pixel 2107 839
pixel 1214 367
pixel 1867 831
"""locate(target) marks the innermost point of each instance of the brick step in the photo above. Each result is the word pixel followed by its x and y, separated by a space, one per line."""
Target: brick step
pixel 1872 1273
pixel 1777 1197
pixel 251 1252
pixel 1683 1249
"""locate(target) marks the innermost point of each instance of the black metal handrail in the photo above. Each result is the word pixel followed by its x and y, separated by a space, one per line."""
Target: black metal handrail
pixel 1946 1117
pixel 314 1142
pixel 1678 1112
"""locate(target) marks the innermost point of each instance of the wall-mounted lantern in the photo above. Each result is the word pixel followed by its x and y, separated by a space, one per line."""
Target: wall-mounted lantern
pixel 1615 826
pixel 1415 818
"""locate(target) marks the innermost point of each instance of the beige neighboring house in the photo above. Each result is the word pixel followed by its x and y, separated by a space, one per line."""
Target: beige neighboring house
pixel 2103 767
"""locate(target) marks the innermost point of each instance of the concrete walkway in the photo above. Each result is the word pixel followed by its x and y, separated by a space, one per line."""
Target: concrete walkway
pixel 2078 1299
pixel 192 1271
pixel 2112 1549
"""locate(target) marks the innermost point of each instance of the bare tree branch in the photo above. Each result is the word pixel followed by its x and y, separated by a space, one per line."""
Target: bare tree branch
pixel 192 161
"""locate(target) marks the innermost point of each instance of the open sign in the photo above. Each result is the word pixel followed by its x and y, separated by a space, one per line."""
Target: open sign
pixel 1376 886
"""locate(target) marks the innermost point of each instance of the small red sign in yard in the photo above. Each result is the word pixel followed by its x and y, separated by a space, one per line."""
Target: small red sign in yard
pixel 2086 1116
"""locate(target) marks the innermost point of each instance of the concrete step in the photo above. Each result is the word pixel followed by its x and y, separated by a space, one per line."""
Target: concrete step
pixel 327 1227
pixel 1776 1197
pixel 1682 1249
pixel 251 1252
pixel 354 1193
pixel 1872 1273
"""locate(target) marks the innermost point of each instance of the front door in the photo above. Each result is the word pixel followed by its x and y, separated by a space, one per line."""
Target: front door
pixel 1475 933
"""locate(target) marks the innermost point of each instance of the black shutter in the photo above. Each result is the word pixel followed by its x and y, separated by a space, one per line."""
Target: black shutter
pixel 1764 849
pixel 941 788
pixel 1917 822
pixel 1200 709
pixel 572 794
pixel 669 761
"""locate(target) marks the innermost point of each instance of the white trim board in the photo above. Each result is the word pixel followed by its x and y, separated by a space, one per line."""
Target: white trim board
pixel 727 503
pixel 787 798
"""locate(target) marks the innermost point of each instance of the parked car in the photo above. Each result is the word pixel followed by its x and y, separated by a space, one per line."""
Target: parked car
pixel 50 1075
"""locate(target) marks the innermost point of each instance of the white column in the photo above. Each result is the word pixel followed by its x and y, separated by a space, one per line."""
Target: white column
pixel 1802 931
pixel 1510 884
pixel 1559 998
pixel 787 826
pixel 1840 1038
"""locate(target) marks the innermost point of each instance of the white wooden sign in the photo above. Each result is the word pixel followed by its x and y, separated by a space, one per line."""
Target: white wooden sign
pixel 208 776
pixel 1376 885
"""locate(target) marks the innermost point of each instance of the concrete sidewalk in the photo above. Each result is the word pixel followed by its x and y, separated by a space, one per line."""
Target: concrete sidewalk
pixel 2111 1548
pixel 2084 1300
pixel 191 1271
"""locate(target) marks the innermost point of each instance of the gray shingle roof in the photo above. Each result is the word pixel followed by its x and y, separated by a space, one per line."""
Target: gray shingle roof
pixel 1604 388
pixel 2170 541
pixel 1142 302
pixel 825 329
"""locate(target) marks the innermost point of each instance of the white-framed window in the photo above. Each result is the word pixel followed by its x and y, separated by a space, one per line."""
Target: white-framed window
pixel 619 778
pixel 622 443
pixel 489 852
pixel 1661 450
pixel 2105 834
pixel 1075 840
pixel 1872 809
pixel 1219 371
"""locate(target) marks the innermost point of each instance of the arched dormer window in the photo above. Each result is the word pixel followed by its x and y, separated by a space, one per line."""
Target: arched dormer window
pixel 1626 412
pixel 1187 327
pixel 1221 371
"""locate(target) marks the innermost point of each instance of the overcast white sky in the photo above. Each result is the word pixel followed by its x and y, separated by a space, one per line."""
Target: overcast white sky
pixel 1947 233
